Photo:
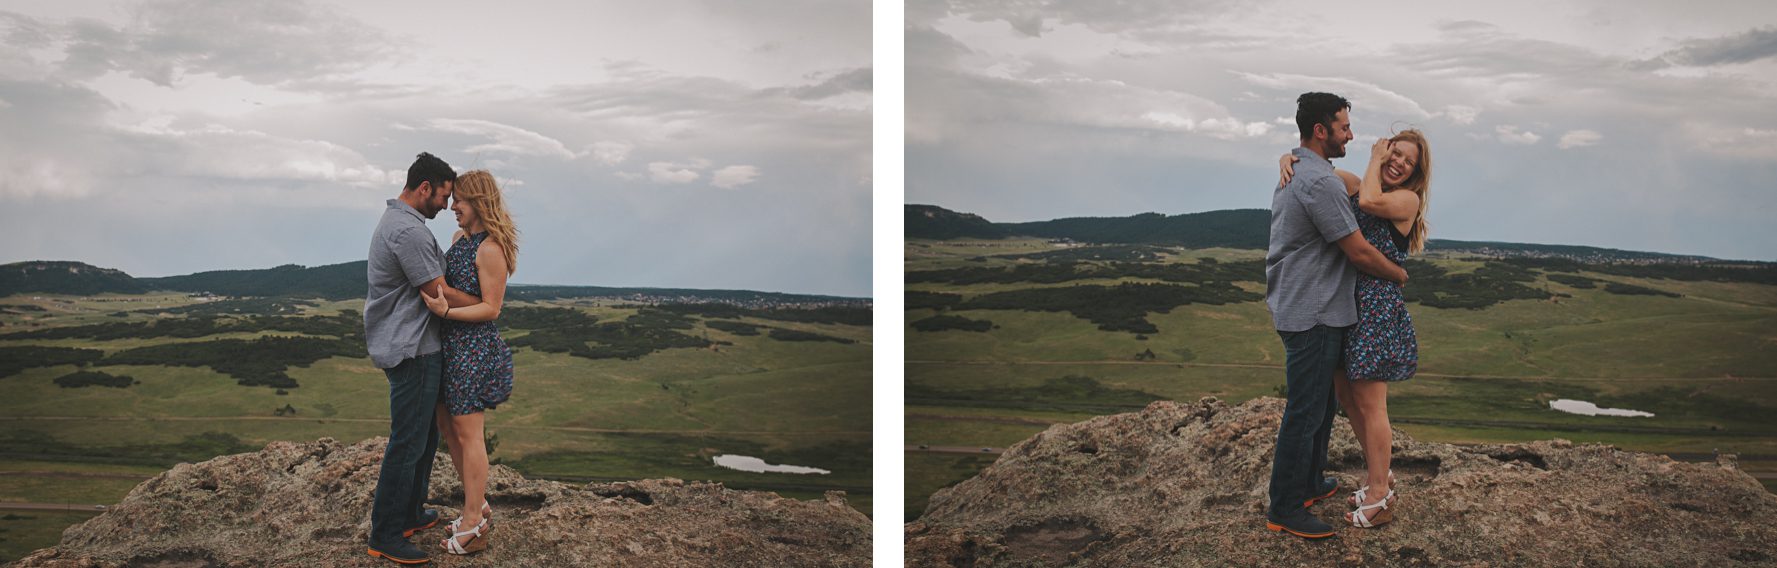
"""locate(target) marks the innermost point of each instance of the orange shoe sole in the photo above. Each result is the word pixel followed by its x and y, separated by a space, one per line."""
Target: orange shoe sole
pixel 1310 502
pixel 374 553
pixel 1280 528
pixel 409 532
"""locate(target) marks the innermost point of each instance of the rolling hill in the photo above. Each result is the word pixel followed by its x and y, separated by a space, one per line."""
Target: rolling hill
pixel 333 282
pixel 62 277
pixel 933 222
pixel 1232 228
pixel 343 281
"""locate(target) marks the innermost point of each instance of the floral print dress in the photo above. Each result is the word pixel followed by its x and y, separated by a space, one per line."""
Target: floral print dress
pixel 477 363
pixel 1382 346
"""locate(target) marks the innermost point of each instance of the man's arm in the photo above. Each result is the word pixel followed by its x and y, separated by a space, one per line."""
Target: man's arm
pixel 458 298
pixel 1369 260
pixel 417 251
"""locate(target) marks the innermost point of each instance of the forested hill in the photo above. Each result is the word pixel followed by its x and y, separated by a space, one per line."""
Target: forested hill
pixel 933 222
pixel 1234 228
pixel 61 277
pixel 1231 228
pixel 336 282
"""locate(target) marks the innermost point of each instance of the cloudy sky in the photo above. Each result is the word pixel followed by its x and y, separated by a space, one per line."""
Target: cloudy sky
pixel 670 143
pixel 1645 125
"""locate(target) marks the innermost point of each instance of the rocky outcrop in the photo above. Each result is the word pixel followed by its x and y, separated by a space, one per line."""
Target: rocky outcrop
pixel 1185 485
pixel 308 504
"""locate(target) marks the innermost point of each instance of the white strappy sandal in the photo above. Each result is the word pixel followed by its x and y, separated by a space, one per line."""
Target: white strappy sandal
pixel 477 542
pixel 487 518
pixel 1362 519
pixel 1357 497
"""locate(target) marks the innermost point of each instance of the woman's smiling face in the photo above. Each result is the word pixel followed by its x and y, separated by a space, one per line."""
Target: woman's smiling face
pixel 465 213
pixel 1402 161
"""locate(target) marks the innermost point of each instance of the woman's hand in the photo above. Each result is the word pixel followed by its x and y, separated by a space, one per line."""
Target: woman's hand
pixel 1381 151
pixel 438 305
pixel 1286 168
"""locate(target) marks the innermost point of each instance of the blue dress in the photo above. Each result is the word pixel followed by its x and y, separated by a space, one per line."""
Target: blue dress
pixel 1382 346
pixel 477 363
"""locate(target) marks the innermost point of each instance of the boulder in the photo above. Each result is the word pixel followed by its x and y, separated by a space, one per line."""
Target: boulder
pixel 308 504
pixel 1185 484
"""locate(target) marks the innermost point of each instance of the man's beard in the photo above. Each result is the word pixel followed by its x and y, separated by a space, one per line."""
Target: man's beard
pixel 432 209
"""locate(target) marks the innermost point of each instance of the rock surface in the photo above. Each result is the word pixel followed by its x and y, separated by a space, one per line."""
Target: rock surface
pixel 1186 485
pixel 308 504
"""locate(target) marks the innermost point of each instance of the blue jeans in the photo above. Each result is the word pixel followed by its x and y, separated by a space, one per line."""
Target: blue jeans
pixel 406 476
pixel 1311 357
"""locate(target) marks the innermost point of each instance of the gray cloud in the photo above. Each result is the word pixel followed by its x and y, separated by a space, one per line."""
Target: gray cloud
pixel 928 47
pixel 946 100
pixel 140 175
pixel 654 107
pixel 1359 92
pixel 24 32
pixel 1481 51
pixel 1028 17
pixel 734 176
pixel 505 138
pixel 1753 45
pixel 848 81
pixel 263 41
pixel 50 139
pixel 1533 127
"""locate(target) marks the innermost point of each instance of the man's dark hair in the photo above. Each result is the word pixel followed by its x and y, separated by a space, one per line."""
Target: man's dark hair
pixel 1318 108
pixel 428 168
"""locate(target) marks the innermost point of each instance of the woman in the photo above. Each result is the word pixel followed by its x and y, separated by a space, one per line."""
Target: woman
pixel 1389 202
pixel 477 363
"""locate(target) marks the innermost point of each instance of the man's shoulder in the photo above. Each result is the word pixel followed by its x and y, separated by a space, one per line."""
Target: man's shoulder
pixel 393 232
pixel 396 219
pixel 1312 180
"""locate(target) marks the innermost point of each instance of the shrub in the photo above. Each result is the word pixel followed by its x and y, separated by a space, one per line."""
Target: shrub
pixel 941 323
pixel 93 378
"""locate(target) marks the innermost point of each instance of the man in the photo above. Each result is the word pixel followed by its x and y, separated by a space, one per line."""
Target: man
pixel 403 340
pixel 1310 273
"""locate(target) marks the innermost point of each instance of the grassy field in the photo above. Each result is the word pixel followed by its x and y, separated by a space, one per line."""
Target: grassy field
pixel 571 418
pixel 1705 364
pixel 23 532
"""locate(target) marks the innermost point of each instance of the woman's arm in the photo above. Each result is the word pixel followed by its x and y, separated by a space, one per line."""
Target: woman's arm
pixel 453 296
pixel 1286 168
pixel 490 267
pixel 1394 205
pixel 1351 181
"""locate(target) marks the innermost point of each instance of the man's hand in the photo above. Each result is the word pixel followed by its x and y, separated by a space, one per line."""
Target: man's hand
pixel 438 304
pixel 456 297
pixel 1370 261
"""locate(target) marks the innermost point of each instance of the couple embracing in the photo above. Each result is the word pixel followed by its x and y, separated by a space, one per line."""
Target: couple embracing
pixel 429 324
pixel 1333 281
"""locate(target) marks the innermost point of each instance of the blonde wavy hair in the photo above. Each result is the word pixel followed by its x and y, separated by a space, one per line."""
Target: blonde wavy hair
pixel 477 188
pixel 1420 183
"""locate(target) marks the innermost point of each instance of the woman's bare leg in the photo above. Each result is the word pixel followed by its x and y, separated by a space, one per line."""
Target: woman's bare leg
pixel 468 428
pixel 447 432
pixel 1371 397
pixel 1353 413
